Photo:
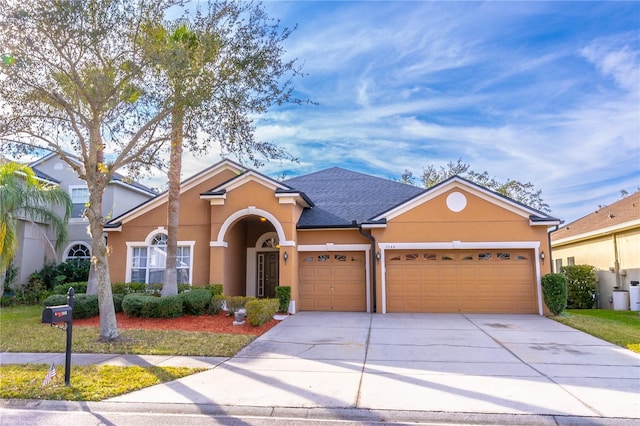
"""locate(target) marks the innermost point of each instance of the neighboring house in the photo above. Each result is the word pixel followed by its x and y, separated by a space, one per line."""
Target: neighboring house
pixel 343 241
pixel 608 239
pixel 33 250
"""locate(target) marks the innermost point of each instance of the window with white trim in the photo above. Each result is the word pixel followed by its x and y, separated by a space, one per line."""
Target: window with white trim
pixel 148 263
pixel 78 251
pixel 79 198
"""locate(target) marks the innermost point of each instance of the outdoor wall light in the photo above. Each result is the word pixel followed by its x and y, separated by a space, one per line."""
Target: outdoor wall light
pixel 542 256
pixel 285 256
pixel 378 257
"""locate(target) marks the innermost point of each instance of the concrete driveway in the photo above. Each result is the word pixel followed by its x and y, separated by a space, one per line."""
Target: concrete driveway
pixel 500 364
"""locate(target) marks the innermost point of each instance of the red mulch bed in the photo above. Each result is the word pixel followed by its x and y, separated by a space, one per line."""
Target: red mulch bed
pixel 220 323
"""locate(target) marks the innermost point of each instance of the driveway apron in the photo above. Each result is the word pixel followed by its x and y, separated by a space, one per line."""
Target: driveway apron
pixel 511 364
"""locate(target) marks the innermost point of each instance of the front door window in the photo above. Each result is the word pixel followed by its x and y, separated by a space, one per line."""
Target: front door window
pixel 268 274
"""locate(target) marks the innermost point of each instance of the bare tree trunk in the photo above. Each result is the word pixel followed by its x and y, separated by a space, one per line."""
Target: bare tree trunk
pixel 108 324
pixel 170 286
pixel 92 282
pixel 97 183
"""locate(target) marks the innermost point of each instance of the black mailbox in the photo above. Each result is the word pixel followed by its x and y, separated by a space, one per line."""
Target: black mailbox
pixel 56 314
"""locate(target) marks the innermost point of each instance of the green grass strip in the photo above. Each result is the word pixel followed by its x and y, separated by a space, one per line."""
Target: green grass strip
pixel 87 383
pixel 618 327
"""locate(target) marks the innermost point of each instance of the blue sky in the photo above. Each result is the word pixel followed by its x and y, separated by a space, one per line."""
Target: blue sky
pixel 541 92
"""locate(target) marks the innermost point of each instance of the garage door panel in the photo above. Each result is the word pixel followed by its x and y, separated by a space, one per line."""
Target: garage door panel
pixel 332 281
pixel 481 281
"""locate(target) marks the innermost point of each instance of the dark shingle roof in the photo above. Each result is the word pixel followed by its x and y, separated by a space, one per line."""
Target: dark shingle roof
pixel 341 196
pixel 119 178
pixel 43 175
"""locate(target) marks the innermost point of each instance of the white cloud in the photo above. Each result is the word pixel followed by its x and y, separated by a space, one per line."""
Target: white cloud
pixel 618 58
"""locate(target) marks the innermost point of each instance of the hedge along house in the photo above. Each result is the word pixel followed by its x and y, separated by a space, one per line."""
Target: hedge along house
pixel 344 241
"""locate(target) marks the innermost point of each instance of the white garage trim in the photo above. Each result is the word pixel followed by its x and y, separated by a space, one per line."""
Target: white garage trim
pixel 348 247
pixel 453 245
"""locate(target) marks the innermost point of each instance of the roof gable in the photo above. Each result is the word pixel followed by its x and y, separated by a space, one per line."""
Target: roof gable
pixel 535 217
pixel 116 179
pixel 186 185
pixel 280 189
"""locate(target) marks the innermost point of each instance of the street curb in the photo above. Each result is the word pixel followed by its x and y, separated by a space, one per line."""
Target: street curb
pixel 337 413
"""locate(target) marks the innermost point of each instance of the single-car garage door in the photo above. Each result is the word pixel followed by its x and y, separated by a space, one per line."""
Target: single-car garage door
pixel 470 281
pixel 332 281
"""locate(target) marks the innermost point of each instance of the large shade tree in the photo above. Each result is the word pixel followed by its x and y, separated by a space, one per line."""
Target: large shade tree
pixel 24 197
pixel 82 77
pixel 220 68
pixel 525 193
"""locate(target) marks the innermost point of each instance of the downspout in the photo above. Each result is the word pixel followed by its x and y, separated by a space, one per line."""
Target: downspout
pixel 551 263
pixel 373 262
pixel 616 265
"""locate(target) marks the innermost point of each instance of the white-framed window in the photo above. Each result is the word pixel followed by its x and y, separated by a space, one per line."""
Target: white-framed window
pixel 79 197
pixel 77 250
pixel 146 261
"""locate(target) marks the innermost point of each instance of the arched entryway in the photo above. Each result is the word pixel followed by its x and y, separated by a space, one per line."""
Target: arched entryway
pixel 263 266
pixel 248 255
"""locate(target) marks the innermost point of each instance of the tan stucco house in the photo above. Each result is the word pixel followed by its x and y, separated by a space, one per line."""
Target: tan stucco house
pixel 609 239
pixel 343 241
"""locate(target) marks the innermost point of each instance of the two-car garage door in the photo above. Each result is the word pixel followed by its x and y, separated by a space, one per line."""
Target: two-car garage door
pixel 332 281
pixel 471 281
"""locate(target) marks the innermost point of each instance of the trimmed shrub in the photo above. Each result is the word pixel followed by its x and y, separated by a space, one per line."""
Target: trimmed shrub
pixel 283 294
pixel 184 287
pixel 260 311
pixel 196 302
pixel 554 291
pixel 216 304
pixel 117 302
pixel 84 305
pixel 128 288
pixel 145 306
pixel 216 289
pixel 234 303
pixel 78 287
pixel 170 307
pixel 581 286
pixel 132 304
pixel 55 300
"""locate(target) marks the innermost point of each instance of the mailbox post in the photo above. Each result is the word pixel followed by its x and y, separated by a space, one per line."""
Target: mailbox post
pixel 62 314
pixel 67 358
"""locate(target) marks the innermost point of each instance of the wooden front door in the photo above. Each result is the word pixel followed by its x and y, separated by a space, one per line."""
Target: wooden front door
pixel 268 273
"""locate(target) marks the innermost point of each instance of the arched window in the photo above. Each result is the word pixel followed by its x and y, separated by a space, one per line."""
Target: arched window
pixel 78 251
pixel 149 263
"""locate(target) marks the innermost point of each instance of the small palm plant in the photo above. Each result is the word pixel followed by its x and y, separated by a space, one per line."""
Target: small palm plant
pixel 24 197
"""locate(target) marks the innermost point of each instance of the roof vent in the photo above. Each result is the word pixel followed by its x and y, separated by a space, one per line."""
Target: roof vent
pixel 611 215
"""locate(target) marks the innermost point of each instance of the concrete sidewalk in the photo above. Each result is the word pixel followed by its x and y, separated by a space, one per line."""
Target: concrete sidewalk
pixel 111 359
pixel 505 366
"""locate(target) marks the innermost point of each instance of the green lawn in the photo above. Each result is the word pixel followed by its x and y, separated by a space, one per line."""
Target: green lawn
pixel 22 331
pixel 619 327
pixel 87 382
